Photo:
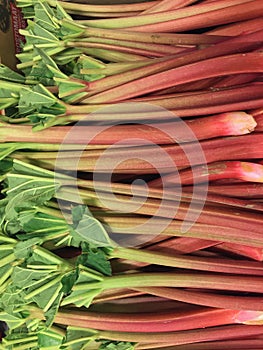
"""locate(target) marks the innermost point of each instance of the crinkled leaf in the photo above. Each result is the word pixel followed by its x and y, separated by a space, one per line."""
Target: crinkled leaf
pixel 13 320
pixel 28 194
pixel 39 99
pixel 6 164
pixel 44 33
pixel 95 258
pixel 8 74
pixel 78 339
pixel 24 278
pixel 12 298
pixel 52 311
pixel 69 86
pixel 84 298
pixel 68 281
pixel 23 249
pixel 49 339
pixel 88 229
pixel 41 225
pixel 44 16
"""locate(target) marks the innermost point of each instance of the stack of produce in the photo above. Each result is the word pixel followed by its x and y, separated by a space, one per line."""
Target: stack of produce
pixel 131 164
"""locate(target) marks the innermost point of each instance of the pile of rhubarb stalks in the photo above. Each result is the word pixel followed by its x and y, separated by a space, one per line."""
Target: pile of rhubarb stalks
pixel 111 97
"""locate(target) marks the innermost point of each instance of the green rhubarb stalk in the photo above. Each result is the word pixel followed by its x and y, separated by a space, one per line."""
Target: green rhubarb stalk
pixel 173 260
pixel 85 9
pixel 186 280
pixel 200 230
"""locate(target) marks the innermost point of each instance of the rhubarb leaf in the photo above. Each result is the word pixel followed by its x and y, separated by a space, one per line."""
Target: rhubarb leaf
pixel 22 250
pixel 78 339
pixel 13 320
pixel 21 337
pixel 84 298
pixel 49 339
pixel 95 258
pixel 50 314
pixel 44 16
pixel 68 86
pixel 8 74
pixel 24 278
pixel 88 229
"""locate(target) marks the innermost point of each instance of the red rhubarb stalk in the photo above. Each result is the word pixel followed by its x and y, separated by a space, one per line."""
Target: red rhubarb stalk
pixel 168 322
pixel 238 249
pixel 206 298
pixel 235 13
pixel 238 28
pixel 157 38
pixel 233 64
pixel 227 124
pixel 259 121
pixel 246 171
pixel 166 5
pixel 165 17
pixel 186 337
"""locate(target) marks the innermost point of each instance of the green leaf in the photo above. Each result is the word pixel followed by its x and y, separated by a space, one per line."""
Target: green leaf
pixel 49 339
pixel 20 338
pixel 8 74
pixel 44 16
pixel 78 339
pixel 39 99
pixel 13 320
pixel 68 86
pixel 41 225
pixel 6 164
pixel 42 32
pixel 88 229
pixel 25 192
pixel 23 249
pixel 84 298
pixel 24 278
pixel 52 311
pixel 95 258
pixel 86 62
pixel 12 298
pixel 68 281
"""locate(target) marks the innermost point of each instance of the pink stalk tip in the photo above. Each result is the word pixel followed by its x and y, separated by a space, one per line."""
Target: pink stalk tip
pixel 251 171
pixel 238 123
pixel 250 317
